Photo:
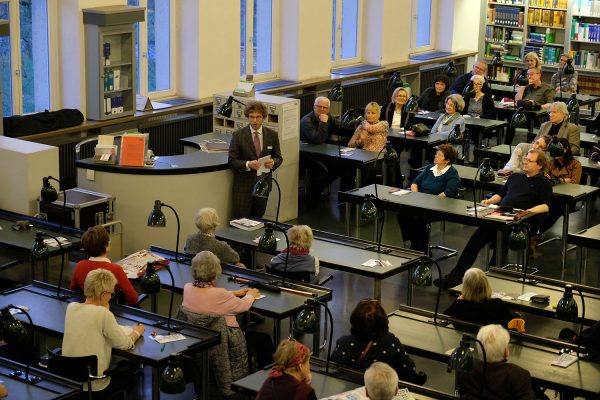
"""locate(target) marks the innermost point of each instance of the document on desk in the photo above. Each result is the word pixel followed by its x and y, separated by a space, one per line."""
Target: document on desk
pixel 169 338
pixel 376 263
pixel 346 151
pixel 356 394
pixel 564 360
pixel 262 169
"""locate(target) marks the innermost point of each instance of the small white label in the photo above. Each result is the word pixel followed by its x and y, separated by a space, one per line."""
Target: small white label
pixel 90 174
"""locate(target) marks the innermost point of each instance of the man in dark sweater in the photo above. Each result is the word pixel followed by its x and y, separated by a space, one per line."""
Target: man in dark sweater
pixel 315 128
pixel 528 191
pixel 479 68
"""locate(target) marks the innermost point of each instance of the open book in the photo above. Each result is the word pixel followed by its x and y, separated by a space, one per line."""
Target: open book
pixel 135 264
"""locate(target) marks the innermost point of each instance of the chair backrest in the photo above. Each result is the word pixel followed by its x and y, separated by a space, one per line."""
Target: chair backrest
pixel 301 276
pixel 79 369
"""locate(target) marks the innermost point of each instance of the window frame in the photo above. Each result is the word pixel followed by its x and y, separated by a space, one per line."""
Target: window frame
pixel 337 61
pixel 275 42
pixel 142 62
pixel 432 27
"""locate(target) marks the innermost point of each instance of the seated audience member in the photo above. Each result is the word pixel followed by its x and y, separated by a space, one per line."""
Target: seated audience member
pixel 537 91
pixel 207 221
pixel 531 60
pixel 442 180
pixel 432 98
pixel 475 303
pixel 299 259
pixel 528 191
pixel 96 243
pixel 502 380
pixel 515 164
pixel 290 376
pixel 559 125
pixel 562 82
pixel 479 68
pixel 91 329
pixel 371 134
pixel 202 296
pixel 381 382
pixel 590 337
pixel 563 168
pixel 481 105
pixel 445 123
pixel 396 114
pixel 317 127
pixel 370 340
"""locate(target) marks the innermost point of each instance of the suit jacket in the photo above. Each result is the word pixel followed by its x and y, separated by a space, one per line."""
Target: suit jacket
pixel 407 121
pixel 241 150
pixel 503 381
pixel 567 131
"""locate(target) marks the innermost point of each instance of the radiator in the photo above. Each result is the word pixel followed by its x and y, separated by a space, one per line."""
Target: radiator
pixel 358 94
pixel 427 76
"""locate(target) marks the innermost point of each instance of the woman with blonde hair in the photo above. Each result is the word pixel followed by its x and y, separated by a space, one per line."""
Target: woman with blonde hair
pixel 396 114
pixel 297 255
pixel 475 304
pixel 371 134
pixel 290 376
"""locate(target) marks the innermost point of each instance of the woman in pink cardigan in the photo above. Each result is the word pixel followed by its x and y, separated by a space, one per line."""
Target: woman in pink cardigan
pixel 371 135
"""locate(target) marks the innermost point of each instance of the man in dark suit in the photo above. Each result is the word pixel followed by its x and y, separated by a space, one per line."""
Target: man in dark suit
pixel 248 144
pixel 479 68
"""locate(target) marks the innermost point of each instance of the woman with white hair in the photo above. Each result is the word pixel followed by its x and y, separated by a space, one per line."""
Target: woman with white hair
pixel 381 382
pixel 299 259
pixel 559 126
pixel 207 221
pixel 91 329
pixel 480 105
pixel 475 303
pixel 502 380
pixel 447 121
pixel 371 135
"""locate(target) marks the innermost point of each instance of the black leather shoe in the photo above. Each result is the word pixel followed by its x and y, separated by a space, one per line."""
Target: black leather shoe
pixel 448 281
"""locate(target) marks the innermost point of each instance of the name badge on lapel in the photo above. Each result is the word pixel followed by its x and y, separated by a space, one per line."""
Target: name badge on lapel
pixel 269 147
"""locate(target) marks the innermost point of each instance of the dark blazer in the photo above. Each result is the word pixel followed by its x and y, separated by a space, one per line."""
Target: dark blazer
pixel 459 84
pixel 430 101
pixel 503 381
pixel 488 107
pixel 407 119
pixel 491 311
pixel 241 150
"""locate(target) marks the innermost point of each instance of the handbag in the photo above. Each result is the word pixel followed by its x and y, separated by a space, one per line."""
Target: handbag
pixel 421 129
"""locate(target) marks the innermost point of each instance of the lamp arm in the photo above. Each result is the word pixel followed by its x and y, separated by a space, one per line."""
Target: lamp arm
pixel 484 366
pixel 62 264
pixel 582 318
pixel 376 160
pixel 278 200
pixel 27 366
pixel 526 231
pixel 475 190
pixel 237 101
pixel 437 301
pixel 330 333
pixel 64 207
pixel 178 229
pixel 287 254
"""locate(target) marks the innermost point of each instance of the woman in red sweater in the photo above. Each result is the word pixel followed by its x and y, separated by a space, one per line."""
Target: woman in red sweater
pixel 96 243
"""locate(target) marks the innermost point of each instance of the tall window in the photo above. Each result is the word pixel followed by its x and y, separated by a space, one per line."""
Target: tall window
pixel 422 28
pixel 153 48
pixel 345 39
pixel 25 57
pixel 258 33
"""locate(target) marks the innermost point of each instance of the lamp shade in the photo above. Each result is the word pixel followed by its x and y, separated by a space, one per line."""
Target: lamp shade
pixel 411 105
pixel 450 69
pixel 517 239
pixel 150 283
pixel 572 103
pixel 39 250
pixel 226 109
pixel 555 148
pixel 306 321
pixel 487 172
pixel 519 119
pixel 522 79
pixel 456 136
pixel 172 380
pixel 261 187
pixel 12 330
pixel 395 81
pixel 569 69
pixel 567 307
pixel 267 241
pixel 461 358
pixel 422 274
pixel 157 217
pixel 390 156
pixel 48 193
pixel 368 211
pixel 497 60
pixel 336 93
pixel 468 91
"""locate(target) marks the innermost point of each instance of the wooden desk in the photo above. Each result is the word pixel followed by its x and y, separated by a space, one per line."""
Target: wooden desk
pixel 278 306
pixel 431 207
pixel 421 143
pixel 480 126
pixel 48 315
pixel 572 192
pixel 50 387
pixel 337 252
pixel 588 238
pixel 431 341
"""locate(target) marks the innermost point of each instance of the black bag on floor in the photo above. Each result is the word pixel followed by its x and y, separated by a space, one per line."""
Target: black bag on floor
pixel 23 125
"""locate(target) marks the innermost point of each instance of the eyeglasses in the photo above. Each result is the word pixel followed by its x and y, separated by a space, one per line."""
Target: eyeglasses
pixel 529 160
pixel 369 301
pixel 323 107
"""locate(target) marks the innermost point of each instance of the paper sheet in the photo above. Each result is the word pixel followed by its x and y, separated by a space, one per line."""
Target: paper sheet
pixel 169 338
pixel 262 169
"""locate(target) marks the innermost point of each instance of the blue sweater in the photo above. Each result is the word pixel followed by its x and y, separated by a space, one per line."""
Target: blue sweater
pixel 430 184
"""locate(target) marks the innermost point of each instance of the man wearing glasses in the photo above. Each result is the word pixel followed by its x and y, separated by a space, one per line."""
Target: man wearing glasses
pixel 315 128
pixel 479 68
pixel 528 191
pixel 539 92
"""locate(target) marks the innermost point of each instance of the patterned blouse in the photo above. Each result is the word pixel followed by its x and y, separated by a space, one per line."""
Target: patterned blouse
pixel 370 137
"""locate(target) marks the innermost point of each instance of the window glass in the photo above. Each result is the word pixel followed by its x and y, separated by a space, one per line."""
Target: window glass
pixel 7 109
pixel 159 49
pixel 349 28
pixel 136 27
pixel 262 22
pixel 242 37
pixel 423 23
